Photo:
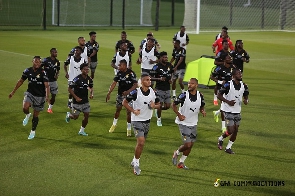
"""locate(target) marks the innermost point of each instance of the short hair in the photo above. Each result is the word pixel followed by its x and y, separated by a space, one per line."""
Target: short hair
pixel 78 47
pixel 223 41
pixel 239 40
pixel 150 39
pixel 52 49
pixel 123 32
pixel 182 26
pixel 92 33
pixel 144 74
pixel 234 71
pixel 149 34
pixel 163 53
pixel 37 57
pixel 80 38
pixel 83 65
pixel 225 28
pixel 123 61
pixel 177 41
pixel 195 79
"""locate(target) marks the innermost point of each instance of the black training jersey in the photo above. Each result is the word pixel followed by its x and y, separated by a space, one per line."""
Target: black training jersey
pixel 177 53
pixel 223 73
pixel 130 45
pixel 36 81
pixel 238 58
pixel 220 57
pixel 125 80
pixel 81 86
pixel 181 98
pixel 52 67
pixel 159 70
pixel 226 87
pixel 90 48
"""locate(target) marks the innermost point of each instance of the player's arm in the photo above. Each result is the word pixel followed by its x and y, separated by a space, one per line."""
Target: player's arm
pixel 174 38
pixel 224 90
pixel 94 52
pixel 131 48
pixel 218 60
pixel 202 108
pixel 214 45
pixel 246 94
pixel 134 86
pixel 46 84
pixel 90 88
pixel 179 100
pixel 18 84
pixel 113 65
pixel 117 46
pixel 66 63
pixel 70 89
pixel 246 57
pixel 112 86
pixel 131 97
pixel 182 55
pixel 187 39
pixel 139 60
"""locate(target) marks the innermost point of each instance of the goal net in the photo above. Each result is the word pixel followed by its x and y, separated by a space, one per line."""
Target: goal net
pixel 98 12
pixel 239 15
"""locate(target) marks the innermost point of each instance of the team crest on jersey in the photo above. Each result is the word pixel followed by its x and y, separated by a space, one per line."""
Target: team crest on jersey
pixel 127 76
pixel 227 121
pixel 38 76
pixel 184 138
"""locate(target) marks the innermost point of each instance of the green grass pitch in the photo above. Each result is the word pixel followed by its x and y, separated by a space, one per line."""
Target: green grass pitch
pixel 60 162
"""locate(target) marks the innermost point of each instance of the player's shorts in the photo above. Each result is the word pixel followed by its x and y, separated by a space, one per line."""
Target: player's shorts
pixel 188 133
pixel 77 108
pixel 119 100
pixel 178 74
pixel 163 96
pixel 93 66
pixel 232 118
pixel 141 129
pixel 37 103
pixel 53 87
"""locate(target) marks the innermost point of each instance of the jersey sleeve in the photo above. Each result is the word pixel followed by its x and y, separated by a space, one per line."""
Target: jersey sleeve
pixel 90 83
pixel 45 77
pixel 187 38
pixel 114 59
pixel 116 78
pixel 133 77
pixel 180 99
pixel 202 100
pixel 25 74
pixel 225 88
pixel 215 73
pixel 132 95
pixel 74 82
pixel 174 37
pixel 67 62
pixel 131 47
pixel 57 65
pixel 117 46
pixel 246 92
pixel 183 52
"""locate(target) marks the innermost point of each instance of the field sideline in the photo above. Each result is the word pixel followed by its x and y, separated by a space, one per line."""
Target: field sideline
pixel 59 162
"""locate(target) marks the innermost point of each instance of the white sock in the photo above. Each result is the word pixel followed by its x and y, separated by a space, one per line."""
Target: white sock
pixel 182 158
pixel 128 126
pixel 222 124
pixel 177 152
pixel 215 97
pixel 230 143
pixel 136 161
pixel 159 119
pixel 221 138
pixel 174 92
pixel 182 90
pixel 32 131
pixel 115 121
pixel 28 115
pixel 82 129
pixel 50 106
pixel 70 100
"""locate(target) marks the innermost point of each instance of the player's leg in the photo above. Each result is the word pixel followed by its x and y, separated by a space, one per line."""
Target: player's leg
pixel 119 101
pixel 37 105
pixel 93 66
pixel 86 110
pixel 215 101
pixel 173 86
pixel 234 130
pixel 180 79
pixel 229 129
pixel 27 102
pixel 128 118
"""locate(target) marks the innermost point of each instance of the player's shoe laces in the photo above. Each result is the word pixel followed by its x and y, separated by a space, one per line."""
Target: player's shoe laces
pixel 82 133
pixel 26 120
pixel 174 158
pixel 128 133
pixel 229 151
pixel 49 111
pixel 215 102
pixel 223 129
pixel 159 123
pixel 136 170
pixel 68 117
pixel 181 166
pixel 215 116
pixel 112 129
pixel 31 136
pixel 219 144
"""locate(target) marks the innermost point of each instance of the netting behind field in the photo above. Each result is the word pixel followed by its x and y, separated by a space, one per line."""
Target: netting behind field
pixel 98 12
pixel 241 14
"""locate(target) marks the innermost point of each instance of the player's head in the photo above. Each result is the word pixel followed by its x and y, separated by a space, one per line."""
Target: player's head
pixel 239 44
pixel 150 42
pixel 78 51
pixel 224 44
pixel 176 43
pixel 145 80
pixel 192 84
pixel 237 74
pixel 92 35
pixel 123 65
pixel 228 59
pixel 36 62
pixel 163 57
pixel 182 28
pixel 224 34
pixel 224 28
pixel 53 52
pixel 84 68
pixel 81 41
pixel 123 46
pixel 123 35
pixel 150 35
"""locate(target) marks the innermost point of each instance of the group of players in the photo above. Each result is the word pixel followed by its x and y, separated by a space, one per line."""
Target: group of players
pixel 141 97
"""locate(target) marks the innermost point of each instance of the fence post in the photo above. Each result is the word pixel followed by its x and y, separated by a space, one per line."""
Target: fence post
pixel 157 15
pixel 123 15
pixel 44 14
pixel 172 12
pixel 111 13
pixel 58 12
pixel 230 12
